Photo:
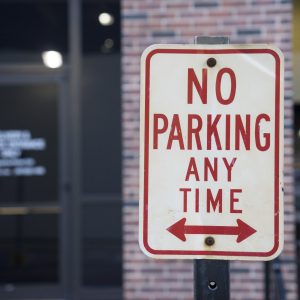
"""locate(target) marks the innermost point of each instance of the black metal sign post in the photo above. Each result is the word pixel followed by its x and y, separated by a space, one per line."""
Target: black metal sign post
pixel 211 277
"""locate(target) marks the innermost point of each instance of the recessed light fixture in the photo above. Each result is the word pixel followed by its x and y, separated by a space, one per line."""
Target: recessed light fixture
pixel 108 43
pixel 107 46
pixel 106 19
pixel 52 59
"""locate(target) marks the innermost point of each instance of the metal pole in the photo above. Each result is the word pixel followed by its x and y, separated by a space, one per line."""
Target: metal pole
pixel 211 280
pixel 211 277
pixel 267 280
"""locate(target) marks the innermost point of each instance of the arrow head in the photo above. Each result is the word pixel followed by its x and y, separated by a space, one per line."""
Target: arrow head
pixel 178 229
pixel 244 231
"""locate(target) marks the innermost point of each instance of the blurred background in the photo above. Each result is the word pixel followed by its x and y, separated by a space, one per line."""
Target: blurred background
pixel 69 134
pixel 60 150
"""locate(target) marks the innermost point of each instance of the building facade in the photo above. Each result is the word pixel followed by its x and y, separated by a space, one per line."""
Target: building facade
pixel 69 188
pixel 146 22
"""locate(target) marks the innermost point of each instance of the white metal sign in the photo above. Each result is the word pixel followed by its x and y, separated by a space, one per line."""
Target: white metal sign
pixel 211 149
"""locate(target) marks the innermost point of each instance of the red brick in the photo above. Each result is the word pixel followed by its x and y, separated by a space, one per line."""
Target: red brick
pixel 145 278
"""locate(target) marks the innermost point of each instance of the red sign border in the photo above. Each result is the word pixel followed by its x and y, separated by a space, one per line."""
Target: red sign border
pixel 277 148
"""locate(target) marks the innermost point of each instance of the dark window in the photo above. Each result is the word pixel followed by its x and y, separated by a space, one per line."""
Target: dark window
pixel 101 145
pixel 27 28
pixel 101 113
pixel 28 184
pixel 28 144
pixel 29 249
pixel 102 243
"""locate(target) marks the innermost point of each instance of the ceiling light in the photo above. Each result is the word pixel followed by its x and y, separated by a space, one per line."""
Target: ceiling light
pixel 106 19
pixel 108 43
pixel 52 59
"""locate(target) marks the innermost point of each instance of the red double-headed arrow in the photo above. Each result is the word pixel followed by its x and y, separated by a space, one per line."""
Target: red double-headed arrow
pixel 242 230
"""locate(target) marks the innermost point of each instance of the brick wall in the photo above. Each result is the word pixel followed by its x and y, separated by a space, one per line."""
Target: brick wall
pixel 145 22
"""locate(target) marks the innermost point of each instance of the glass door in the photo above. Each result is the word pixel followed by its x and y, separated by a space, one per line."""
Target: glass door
pixel 32 184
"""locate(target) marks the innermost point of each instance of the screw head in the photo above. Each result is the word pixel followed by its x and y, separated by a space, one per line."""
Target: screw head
pixel 211 62
pixel 209 241
pixel 212 285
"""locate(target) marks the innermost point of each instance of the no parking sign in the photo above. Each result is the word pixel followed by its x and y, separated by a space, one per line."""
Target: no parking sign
pixel 211 183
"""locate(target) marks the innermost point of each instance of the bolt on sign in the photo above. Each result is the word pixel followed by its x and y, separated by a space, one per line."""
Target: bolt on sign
pixel 211 152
